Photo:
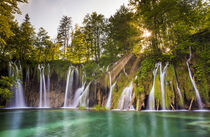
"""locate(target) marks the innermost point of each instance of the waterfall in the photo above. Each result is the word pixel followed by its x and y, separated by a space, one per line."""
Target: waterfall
pixel 125 72
pixel 40 86
pixel 109 100
pixel 48 83
pixel 69 87
pixel 78 95
pixel 42 100
pixel 84 98
pixel 162 76
pixel 126 97
pixel 193 82
pixel 178 89
pixel 151 100
pixel 18 101
pixel 77 79
pixel 107 68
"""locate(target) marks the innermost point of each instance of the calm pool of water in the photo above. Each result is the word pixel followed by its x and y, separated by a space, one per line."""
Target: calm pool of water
pixel 72 123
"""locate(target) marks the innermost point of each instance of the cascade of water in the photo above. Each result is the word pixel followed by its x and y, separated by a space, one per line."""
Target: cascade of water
pixel 84 98
pixel 77 79
pixel 193 82
pixel 126 97
pixel 107 68
pixel 109 100
pixel 42 88
pixel 178 89
pixel 151 100
pixel 67 87
pixel 48 84
pixel 18 101
pixel 78 95
pixel 162 76
pixel 125 72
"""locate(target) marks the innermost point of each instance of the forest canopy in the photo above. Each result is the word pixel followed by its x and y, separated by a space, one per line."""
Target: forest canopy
pixel 143 27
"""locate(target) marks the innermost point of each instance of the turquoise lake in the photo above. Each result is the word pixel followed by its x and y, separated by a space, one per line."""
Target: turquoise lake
pixel 76 123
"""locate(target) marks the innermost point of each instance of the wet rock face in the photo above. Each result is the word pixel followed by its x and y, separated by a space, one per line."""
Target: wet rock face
pixel 56 98
pixel 56 95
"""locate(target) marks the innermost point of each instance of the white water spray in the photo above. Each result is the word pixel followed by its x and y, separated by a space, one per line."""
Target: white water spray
pixel 151 100
pixel 126 97
pixel 42 99
pixel 109 100
pixel 67 87
pixel 78 95
pixel 18 101
pixel 162 76
pixel 178 89
pixel 193 82
pixel 84 98
pixel 48 83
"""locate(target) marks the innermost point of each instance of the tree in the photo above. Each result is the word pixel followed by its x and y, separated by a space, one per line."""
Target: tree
pixel 64 33
pixel 78 49
pixel 94 26
pixel 7 10
pixel 169 21
pixel 27 38
pixel 121 31
pixel 41 43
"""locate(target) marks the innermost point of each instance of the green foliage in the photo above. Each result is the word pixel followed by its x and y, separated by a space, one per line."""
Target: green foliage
pixel 64 33
pixel 5 95
pixel 7 10
pixel 60 68
pixel 94 26
pixel 82 108
pixel 42 45
pixel 170 86
pixel 158 96
pixel 99 108
pixel 121 31
pixel 144 74
pixel 6 81
pixel 5 84
pixel 92 71
pixel 77 51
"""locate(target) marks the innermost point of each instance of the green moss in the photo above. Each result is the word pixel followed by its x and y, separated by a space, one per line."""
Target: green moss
pixel 170 83
pixel 158 97
pixel 92 71
pixel 82 108
pixel 98 107
pixel 61 69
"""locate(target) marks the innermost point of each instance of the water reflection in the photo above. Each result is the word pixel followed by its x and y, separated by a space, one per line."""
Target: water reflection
pixel 110 127
pixel 39 123
pixel 15 122
pixel 67 123
pixel 64 120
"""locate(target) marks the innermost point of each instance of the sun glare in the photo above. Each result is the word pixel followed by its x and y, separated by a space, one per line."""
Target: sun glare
pixel 146 34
